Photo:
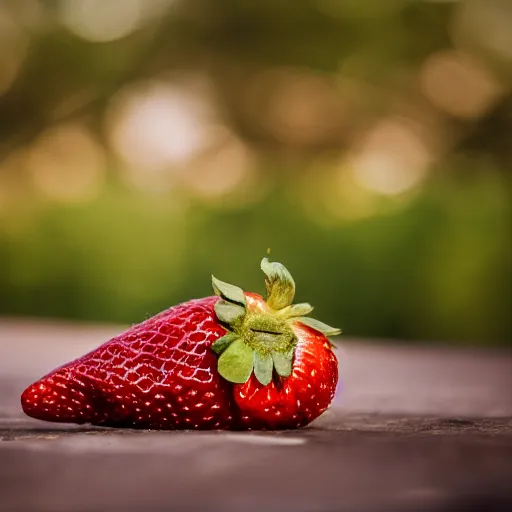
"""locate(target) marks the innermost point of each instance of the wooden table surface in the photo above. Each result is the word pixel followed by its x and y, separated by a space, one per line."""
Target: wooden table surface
pixel 412 428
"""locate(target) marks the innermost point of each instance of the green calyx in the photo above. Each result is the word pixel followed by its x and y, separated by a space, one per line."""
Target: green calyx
pixel 261 339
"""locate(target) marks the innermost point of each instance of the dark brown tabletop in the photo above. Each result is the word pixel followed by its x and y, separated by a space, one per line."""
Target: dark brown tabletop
pixel 412 428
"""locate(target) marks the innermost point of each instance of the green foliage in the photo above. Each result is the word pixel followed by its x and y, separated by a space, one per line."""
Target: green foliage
pixel 297 86
pixel 438 268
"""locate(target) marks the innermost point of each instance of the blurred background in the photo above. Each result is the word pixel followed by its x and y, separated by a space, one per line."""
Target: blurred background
pixel 147 144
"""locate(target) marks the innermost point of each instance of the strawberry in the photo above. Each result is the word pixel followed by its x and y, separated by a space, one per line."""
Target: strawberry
pixel 231 361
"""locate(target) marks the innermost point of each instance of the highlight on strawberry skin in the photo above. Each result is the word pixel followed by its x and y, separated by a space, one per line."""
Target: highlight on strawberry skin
pixel 234 360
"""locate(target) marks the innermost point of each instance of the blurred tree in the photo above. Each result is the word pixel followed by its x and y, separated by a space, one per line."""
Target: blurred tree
pixel 144 146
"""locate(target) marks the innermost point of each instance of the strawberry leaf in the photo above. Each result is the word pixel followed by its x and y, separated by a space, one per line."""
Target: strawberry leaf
pixel 223 343
pixel 228 292
pixel 280 284
pixel 294 310
pixel 236 362
pixel 263 366
pixel 319 326
pixel 227 312
pixel 283 362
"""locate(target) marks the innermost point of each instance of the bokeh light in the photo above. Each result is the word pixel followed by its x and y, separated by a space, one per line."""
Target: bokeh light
pixel 391 158
pixel 100 21
pixel 67 164
pixel 302 108
pixel 458 84
pixel 13 48
pixel 156 125
pixel 222 169
pixel 485 26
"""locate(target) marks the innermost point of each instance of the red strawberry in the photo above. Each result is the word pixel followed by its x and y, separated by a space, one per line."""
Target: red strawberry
pixel 227 362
